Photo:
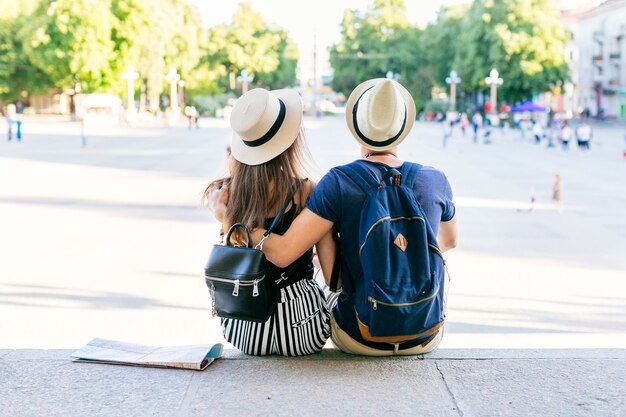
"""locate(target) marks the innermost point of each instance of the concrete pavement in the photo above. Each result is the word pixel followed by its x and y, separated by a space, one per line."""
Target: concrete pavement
pixel 450 382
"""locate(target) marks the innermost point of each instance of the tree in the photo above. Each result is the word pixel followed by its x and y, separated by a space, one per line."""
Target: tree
pixel 250 43
pixel 376 42
pixel 442 39
pixel 70 41
pixel 523 39
pixel 284 74
pixel 18 76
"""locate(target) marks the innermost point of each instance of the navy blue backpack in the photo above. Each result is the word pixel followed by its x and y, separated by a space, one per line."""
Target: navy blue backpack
pixel 401 293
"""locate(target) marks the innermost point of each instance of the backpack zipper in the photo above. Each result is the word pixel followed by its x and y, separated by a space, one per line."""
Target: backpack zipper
pixel 436 249
pixel 384 219
pixel 375 302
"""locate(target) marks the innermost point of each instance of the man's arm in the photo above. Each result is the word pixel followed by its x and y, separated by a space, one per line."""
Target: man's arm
pixel 305 231
pixel 326 253
pixel 447 235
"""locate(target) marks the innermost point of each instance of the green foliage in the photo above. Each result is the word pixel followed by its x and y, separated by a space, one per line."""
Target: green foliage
pixel 18 76
pixel 441 39
pixel 250 43
pixel 437 106
pixel 53 44
pixel 210 104
pixel 70 41
pixel 523 39
pixel 373 43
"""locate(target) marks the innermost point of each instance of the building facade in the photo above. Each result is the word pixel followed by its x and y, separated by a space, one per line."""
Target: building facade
pixel 597 58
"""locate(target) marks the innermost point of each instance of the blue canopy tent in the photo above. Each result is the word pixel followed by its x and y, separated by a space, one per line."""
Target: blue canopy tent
pixel 527 106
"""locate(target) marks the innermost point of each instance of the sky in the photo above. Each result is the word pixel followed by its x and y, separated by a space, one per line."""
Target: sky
pixel 307 19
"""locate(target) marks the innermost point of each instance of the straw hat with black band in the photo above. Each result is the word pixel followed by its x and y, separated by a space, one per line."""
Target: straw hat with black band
pixel 380 113
pixel 265 124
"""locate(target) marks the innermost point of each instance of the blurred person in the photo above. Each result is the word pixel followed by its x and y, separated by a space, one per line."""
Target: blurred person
pixel 267 163
pixel 464 123
pixel 553 134
pixel 556 192
pixel 477 123
pixel 380 114
pixel 584 134
pixel 9 122
pixel 565 135
pixel 9 118
pixel 192 116
pixel 537 132
pixel 447 131
pixel 487 131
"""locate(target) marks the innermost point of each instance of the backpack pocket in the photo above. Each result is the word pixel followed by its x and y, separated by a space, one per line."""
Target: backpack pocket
pixel 386 317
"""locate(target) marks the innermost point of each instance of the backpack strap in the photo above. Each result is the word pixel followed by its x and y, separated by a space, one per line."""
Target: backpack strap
pixel 334 277
pixel 359 177
pixel 409 171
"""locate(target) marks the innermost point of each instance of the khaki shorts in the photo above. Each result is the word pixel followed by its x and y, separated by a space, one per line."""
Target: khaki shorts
pixel 347 344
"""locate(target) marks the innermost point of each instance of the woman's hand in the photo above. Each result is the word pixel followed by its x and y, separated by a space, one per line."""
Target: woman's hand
pixel 217 200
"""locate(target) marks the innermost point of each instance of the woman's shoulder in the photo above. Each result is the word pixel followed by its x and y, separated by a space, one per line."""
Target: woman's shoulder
pixel 305 188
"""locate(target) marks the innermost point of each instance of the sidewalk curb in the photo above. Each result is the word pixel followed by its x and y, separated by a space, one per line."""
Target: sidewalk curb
pixel 11 355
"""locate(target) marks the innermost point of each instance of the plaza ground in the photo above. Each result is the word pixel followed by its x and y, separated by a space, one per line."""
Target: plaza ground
pixel 109 240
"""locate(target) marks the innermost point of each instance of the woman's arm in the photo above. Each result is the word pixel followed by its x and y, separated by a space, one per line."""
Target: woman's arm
pixel 447 235
pixel 305 231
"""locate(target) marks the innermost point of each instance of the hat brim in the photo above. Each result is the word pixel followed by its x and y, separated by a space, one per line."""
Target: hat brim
pixel 281 141
pixel 410 112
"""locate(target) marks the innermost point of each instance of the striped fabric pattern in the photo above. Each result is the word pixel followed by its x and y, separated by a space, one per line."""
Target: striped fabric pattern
pixel 299 326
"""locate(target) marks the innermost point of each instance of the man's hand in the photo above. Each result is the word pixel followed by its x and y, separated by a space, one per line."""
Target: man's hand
pixel 217 200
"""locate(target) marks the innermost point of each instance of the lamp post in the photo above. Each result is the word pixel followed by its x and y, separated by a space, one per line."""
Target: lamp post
pixel 130 76
pixel 173 77
pixel 453 80
pixel 494 81
pixel 181 84
pixel 244 78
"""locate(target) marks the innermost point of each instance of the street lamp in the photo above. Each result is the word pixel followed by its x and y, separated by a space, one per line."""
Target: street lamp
pixel 494 81
pixel 244 79
pixel 130 76
pixel 173 77
pixel 453 80
pixel 181 84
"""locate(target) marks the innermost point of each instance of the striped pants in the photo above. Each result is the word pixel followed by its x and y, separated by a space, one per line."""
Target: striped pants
pixel 299 326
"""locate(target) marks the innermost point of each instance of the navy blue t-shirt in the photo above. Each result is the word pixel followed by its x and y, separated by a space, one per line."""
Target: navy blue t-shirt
pixel 339 199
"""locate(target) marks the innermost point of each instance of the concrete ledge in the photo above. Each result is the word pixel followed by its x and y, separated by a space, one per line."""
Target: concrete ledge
pixel 335 354
pixel 450 382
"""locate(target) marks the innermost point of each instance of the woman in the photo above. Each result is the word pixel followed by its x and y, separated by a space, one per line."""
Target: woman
pixel 267 161
pixel 380 113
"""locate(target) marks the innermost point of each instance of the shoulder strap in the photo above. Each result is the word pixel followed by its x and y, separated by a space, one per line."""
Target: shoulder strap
pixel 281 211
pixel 409 171
pixel 334 277
pixel 358 176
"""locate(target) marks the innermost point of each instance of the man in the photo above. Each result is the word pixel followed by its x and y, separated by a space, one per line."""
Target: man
pixel 380 114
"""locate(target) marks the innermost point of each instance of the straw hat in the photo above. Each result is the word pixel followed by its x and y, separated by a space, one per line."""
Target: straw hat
pixel 265 124
pixel 380 113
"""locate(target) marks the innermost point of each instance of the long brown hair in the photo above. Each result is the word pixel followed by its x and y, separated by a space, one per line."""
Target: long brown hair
pixel 256 191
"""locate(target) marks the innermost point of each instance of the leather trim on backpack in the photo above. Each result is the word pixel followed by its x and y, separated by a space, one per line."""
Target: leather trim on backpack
pixel 365 333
